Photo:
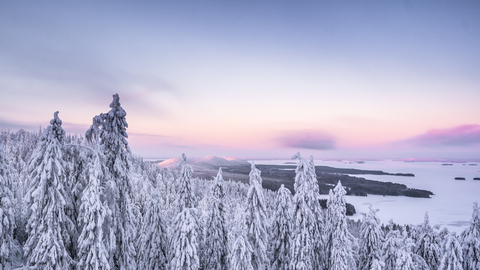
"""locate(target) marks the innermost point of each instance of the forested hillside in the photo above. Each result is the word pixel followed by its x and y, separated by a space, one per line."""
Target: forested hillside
pixel 74 202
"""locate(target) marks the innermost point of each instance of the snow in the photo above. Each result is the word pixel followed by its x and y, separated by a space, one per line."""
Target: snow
pixel 450 207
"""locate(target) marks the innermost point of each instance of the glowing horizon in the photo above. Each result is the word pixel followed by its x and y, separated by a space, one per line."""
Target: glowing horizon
pixel 343 79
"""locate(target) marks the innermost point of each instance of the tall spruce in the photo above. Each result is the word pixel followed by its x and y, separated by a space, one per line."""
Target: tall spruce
pixel 471 242
pixel 256 220
pixel 7 219
pixel 341 255
pixel 371 240
pixel 48 226
pixel 240 252
pixel 313 201
pixel 153 237
pixel 184 244
pixel 303 242
pixel 281 230
pixel 110 129
pixel 429 244
pixel 215 230
pixel 93 254
pixel 452 254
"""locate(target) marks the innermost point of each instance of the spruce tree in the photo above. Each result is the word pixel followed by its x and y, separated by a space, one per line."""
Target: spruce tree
pixel 393 243
pixel 7 219
pixel 471 242
pixel 313 201
pixel 371 240
pixel 429 244
pixel 153 237
pixel 47 224
pixel 240 252
pixel 341 256
pixel 256 220
pixel 452 254
pixel 281 230
pixel 110 130
pixel 303 243
pixel 93 254
pixel 215 230
pixel 184 243
pixel 185 195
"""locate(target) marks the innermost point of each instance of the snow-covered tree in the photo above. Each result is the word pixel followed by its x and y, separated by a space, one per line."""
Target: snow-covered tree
pixel 256 220
pixel 377 265
pixel 184 243
pixel 240 252
pixel 341 244
pixel 215 231
pixel 7 219
pixel 429 244
pixel 110 130
pixel 153 237
pixel 48 226
pixel 404 255
pixel 185 195
pixel 241 255
pixel 93 254
pixel 471 241
pixel 313 201
pixel 281 230
pixel 371 240
pixel 452 254
pixel 303 243
pixel 393 243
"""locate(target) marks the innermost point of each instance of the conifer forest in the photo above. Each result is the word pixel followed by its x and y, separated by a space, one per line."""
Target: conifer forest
pixel 86 202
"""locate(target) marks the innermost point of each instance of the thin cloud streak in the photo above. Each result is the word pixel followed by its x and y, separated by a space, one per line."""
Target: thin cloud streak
pixel 307 139
pixel 459 136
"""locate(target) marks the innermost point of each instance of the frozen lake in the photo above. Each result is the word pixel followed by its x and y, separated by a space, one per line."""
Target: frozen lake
pixel 451 206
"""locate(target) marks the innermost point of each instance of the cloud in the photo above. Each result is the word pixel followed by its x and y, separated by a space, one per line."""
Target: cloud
pixel 307 139
pixel 463 136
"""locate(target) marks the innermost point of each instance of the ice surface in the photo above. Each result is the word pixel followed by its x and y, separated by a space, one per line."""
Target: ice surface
pixel 450 207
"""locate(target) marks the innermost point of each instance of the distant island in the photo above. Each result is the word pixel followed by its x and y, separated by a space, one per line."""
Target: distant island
pixel 275 175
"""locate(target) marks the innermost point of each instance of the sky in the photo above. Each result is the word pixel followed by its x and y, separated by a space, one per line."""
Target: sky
pixel 251 79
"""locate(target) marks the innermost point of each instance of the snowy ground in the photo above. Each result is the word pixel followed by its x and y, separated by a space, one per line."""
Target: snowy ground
pixel 451 206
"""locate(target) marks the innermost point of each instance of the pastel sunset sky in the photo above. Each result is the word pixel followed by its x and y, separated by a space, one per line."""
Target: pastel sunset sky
pixel 253 79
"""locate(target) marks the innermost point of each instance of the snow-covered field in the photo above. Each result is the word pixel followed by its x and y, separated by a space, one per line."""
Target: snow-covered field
pixel 451 206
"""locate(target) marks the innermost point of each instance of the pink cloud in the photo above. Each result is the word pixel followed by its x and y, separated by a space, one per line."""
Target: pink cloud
pixel 307 139
pixel 465 135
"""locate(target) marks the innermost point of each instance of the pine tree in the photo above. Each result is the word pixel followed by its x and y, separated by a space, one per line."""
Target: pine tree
pixel 303 244
pixel 256 220
pixel 184 243
pixel 371 240
pixel 153 237
pixel 7 219
pixel 110 129
pixel 429 244
pixel 341 256
pixel 471 242
pixel 48 226
pixel 281 230
pixel 452 254
pixel 215 231
pixel 93 255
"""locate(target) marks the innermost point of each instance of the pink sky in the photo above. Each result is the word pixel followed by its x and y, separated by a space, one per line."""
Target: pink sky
pixel 248 79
